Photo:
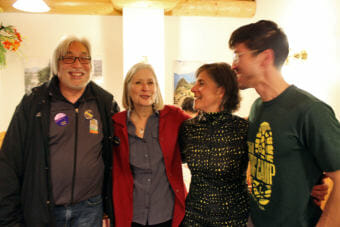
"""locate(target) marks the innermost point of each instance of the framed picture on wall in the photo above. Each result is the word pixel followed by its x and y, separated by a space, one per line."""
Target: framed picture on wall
pixel 97 70
pixel 184 79
pixel 37 71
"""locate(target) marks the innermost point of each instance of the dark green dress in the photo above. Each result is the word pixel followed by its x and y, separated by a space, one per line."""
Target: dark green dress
pixel 215 147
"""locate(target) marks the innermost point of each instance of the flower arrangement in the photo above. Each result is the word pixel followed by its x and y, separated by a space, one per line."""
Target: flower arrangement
pixel 10 40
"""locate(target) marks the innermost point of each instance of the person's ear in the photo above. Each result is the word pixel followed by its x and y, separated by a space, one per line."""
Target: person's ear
pixel 221 91
pixel 268 57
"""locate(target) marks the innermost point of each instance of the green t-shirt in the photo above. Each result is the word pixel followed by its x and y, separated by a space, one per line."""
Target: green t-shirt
pixel 292 140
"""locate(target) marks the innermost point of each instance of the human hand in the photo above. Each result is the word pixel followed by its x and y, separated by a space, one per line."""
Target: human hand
pixel 319 192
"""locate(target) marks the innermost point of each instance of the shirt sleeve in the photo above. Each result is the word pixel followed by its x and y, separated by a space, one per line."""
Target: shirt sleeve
pixel 11 170
pixel 321 136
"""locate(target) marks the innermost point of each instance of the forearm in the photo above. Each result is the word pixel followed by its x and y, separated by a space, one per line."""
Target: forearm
pixel 330 216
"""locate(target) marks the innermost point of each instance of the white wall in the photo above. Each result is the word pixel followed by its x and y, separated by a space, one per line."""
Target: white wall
pixel 11 88
pixel 311 25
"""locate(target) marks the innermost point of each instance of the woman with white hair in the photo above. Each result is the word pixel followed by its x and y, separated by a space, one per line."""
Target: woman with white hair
pixel 148 185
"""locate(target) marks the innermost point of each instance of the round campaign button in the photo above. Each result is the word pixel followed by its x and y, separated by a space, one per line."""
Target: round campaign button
pixel 61 119
pixel 88 114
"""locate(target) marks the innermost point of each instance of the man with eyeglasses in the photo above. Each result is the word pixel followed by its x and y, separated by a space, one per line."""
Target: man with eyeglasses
pixel 56 158
pixel 293 137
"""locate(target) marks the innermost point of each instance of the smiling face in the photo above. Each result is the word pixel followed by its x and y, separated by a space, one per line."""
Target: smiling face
pixel 142 89
pixel 246 65
pixel 208 96
pixel 74 76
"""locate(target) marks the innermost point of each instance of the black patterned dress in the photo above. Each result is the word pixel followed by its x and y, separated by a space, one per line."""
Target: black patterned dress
pixel 215 147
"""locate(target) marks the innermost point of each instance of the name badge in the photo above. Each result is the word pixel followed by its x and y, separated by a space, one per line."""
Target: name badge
pixel 93 126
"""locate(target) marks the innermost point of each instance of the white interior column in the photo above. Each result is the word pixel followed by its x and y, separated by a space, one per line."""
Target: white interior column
pixel 143 40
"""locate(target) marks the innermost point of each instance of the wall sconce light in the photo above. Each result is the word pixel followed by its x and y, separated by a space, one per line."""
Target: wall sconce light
pixel 34 6
pixel 302 55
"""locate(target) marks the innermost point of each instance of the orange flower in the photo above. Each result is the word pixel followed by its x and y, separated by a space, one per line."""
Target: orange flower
pixel 18 36
pixel 15 45
pixel 10 39
pixel 7 44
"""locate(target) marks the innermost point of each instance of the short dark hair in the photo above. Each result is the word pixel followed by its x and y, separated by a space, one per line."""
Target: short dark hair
pixel 224 77
pixel 260 36
pixel 188 104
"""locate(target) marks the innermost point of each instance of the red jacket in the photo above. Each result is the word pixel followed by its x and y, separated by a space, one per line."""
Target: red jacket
pixel 170 120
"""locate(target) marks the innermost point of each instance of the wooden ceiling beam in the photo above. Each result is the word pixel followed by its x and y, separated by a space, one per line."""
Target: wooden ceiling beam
pixel 97 7
pixel 158 4
pixel 214 8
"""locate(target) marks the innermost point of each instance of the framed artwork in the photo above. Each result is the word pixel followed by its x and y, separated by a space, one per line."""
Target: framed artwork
pixel 97 70
pixel 184 79
pixel 37 71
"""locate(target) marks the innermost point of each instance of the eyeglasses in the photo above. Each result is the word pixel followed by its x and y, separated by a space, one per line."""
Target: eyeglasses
pixel 236 56
pixel 72 59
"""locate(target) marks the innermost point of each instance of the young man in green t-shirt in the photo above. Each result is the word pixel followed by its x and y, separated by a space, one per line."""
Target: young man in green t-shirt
pixel 293 137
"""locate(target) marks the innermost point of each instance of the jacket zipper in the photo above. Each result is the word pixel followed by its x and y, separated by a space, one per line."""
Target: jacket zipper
pixel 75 155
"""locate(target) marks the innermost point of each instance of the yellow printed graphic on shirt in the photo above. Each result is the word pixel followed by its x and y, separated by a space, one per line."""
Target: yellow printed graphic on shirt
pixel 261 157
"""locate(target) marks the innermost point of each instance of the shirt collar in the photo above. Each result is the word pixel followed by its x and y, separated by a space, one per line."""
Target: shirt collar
pixel 156 113
pixel 54 91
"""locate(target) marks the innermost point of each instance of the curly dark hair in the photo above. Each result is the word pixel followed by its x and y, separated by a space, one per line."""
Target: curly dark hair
pixel 260 36
pixel 188 104
pixel 224 76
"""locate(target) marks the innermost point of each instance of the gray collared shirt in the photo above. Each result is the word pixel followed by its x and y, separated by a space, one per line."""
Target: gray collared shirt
pixel 153 198
pixel 75 143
